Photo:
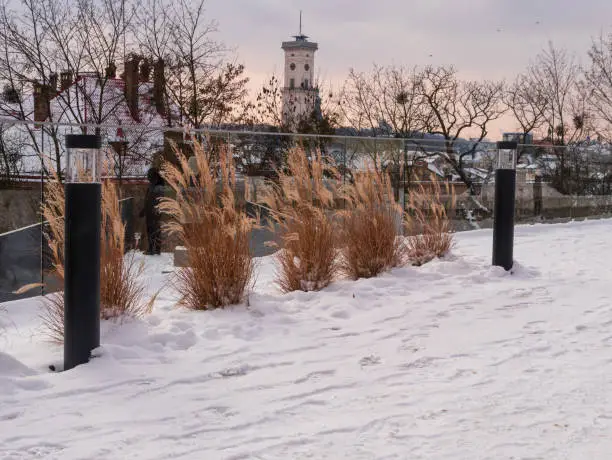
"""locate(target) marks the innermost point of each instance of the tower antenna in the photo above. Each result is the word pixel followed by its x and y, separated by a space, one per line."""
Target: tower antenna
pixel 300 36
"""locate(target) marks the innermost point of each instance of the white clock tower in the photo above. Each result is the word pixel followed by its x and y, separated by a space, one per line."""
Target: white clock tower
pixel 299 92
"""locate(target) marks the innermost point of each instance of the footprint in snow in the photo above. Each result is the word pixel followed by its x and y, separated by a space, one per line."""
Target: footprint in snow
pixel 234 371
pixel 371 360
pixel 341 314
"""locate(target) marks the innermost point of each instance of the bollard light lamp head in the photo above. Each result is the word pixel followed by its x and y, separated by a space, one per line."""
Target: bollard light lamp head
pixel 83 158
pixel 507 155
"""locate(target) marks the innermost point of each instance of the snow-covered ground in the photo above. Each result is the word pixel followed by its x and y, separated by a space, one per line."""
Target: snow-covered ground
pixel 453 360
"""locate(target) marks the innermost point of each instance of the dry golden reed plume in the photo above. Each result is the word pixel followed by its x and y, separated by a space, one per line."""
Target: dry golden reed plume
pixel 369 226
pixel 301 203
pixel 428 227
pixel 53 214
pixel 121 287
pixel 204 217
pixel 122 292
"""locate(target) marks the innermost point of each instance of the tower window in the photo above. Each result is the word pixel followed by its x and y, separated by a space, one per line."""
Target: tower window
pixel 292 83
pixel 306 83
pixel 306 67
pixel 292 66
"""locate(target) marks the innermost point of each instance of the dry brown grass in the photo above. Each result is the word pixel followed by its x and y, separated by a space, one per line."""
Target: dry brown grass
pixel 368 227
pixel 300 205
pixel 53 212
pixel 121 288
pixel 122 293
pixel 428 228
pixel 215 233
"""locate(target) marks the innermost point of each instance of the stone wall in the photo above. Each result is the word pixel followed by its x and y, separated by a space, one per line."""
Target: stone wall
pixel 542 200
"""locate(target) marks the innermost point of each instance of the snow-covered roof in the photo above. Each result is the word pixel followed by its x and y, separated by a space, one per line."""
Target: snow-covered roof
pixel 477 172
pixel 526 166
pixel 91 100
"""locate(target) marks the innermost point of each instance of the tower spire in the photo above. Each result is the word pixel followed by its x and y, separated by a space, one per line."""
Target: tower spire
pixel 300 36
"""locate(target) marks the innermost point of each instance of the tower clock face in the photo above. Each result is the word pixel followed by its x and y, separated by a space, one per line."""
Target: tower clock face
pixel 306 67
pixel 292 66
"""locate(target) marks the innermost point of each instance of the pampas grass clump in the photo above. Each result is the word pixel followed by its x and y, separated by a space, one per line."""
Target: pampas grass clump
pixel 368 227
pixel 121 289
pixel 428 226
pixel 300 204
pixel 208 224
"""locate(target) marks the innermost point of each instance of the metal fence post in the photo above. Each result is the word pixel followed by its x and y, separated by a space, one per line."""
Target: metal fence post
pixel 42 226
pixel 126 207
pixel 344 161
pixel 405 176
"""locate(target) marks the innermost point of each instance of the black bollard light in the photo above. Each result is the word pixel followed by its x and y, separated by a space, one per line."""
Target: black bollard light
pixel 83 197
pixel 505 190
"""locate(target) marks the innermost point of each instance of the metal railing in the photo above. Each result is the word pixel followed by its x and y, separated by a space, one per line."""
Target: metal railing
pixel 25 257
pixel 554 183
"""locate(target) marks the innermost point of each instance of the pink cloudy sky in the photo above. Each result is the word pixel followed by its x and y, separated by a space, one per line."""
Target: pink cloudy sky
pixel 483 38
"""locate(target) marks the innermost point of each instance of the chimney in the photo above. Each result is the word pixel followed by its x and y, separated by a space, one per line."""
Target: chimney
pixel 65 80
pixel 131 85
pixel 111 71
pixel 41 102
pixel 52 84
pixel 159 87
pixel 145 71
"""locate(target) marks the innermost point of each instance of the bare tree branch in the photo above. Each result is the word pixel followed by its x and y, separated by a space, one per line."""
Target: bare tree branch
pixel 556 73
pixel 204 87
pixel 457 109
pixel 526 101
pixel 598 78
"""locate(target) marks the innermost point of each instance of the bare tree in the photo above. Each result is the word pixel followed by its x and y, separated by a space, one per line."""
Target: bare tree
pixel 267 107
pixel 102 28
pixel 598 78
pixel 387 102
pixel 459 108
pixel 11 151
pixel 288 115
pixel 567 118
pixel 263 154
pixel 357 102
pixel 201 83
pixel 83 40
pixel 97 97
pixel 28 60
pixel 270 112
pixel 526 101
pixel 556 73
